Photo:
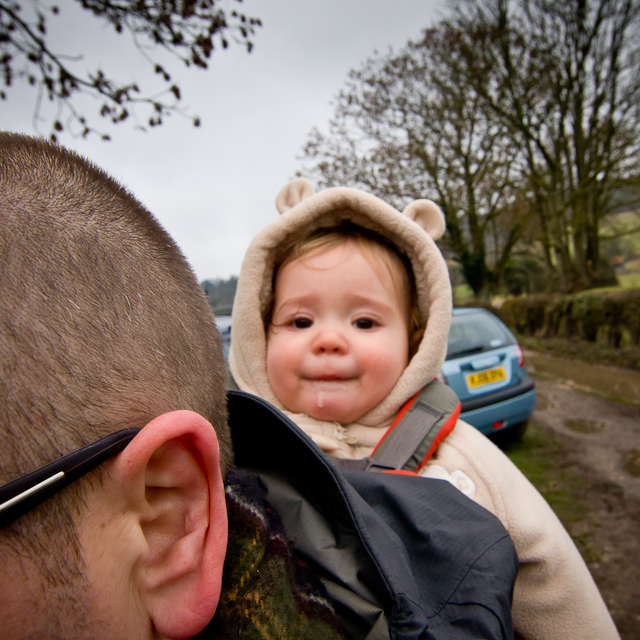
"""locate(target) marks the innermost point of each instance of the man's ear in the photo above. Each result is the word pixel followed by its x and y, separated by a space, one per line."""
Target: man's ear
pixel 173 468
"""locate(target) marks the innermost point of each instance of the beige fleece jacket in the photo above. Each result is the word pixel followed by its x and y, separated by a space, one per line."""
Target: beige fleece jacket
pixel 555 596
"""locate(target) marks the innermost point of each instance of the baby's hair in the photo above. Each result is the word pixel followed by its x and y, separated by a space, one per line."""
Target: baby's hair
pixel 376 249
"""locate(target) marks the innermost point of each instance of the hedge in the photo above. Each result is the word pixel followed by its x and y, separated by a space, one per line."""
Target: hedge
pixel 609 317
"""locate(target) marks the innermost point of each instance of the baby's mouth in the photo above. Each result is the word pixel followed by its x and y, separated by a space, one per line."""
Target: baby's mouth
pixel 329 378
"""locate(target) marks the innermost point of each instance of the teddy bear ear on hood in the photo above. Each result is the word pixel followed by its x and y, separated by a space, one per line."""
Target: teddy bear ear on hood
pixel 428 215
pixel 293 193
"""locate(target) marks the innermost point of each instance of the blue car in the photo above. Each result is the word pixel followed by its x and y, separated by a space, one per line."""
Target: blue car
pixel 224 326
pixel 485 367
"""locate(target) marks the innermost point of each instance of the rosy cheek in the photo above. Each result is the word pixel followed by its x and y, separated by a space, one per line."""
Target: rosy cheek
pixel 377 357
pixel 279 358
pixel 272 362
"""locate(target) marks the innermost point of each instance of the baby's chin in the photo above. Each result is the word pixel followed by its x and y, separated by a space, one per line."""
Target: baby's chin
pixel 329 415
pixel 341 401
pixel 330 408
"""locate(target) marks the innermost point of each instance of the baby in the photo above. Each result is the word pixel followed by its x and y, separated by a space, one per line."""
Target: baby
pixel 340 319
pixel 338 329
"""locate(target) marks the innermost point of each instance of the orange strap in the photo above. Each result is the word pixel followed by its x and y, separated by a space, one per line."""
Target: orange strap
pixel 443 432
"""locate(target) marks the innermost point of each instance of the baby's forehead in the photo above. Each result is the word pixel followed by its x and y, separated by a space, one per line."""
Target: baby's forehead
pixel 332 265
pixel 376 252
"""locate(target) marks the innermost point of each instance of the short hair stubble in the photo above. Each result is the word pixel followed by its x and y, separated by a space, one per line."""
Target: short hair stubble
pixel 103 325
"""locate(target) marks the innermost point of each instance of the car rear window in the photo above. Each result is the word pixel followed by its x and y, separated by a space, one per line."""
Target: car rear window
pixel 475 333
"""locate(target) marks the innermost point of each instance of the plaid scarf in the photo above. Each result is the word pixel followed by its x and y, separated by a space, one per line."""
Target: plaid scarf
pixel 267 593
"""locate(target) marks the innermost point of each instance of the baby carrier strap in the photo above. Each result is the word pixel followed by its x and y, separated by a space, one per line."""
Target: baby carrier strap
pixel 422 424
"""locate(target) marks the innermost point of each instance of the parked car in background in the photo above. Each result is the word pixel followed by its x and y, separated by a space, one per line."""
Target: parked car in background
pixel 485 367
pixel 224 326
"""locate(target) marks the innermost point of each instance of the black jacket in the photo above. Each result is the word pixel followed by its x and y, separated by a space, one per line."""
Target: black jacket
pixel 399 561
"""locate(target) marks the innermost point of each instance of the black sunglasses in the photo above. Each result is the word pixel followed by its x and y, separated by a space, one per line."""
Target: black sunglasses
pixel 28 491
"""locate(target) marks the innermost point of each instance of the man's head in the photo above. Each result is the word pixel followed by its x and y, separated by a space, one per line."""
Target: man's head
pixel 343 323
pixel 103 327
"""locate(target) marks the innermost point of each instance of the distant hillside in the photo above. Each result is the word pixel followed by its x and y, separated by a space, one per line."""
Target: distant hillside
pixel 220 294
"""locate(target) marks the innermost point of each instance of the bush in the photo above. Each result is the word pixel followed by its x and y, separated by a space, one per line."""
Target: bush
pixel 607 317
pixel 525 275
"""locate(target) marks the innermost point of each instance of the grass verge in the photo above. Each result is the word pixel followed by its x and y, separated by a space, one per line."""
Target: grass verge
pixel 540 457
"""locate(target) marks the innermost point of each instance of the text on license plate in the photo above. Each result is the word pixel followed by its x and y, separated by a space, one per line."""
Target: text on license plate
pixel 486 377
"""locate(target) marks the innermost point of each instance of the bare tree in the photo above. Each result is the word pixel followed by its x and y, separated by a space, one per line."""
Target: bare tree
pixel 188 29
pixel 408 125
pixel 565 81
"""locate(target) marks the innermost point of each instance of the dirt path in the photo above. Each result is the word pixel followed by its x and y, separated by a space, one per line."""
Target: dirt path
pixel 600 441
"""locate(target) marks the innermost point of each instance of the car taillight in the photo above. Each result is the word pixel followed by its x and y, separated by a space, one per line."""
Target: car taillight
pixel 520 356
pixel 442 378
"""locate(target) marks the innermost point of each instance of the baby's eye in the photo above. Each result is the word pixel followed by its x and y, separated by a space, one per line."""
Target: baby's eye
pixel 302 323
pixel 364 323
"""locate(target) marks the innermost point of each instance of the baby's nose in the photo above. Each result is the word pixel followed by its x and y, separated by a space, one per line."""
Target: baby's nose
pixel 330 340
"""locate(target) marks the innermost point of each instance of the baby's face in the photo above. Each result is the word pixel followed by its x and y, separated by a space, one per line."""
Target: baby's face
pixel 338 340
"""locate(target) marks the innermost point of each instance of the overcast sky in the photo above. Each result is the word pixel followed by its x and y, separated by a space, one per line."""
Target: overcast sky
pixel 213 187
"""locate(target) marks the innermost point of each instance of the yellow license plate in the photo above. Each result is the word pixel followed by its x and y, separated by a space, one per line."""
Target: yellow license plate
pixel 485 377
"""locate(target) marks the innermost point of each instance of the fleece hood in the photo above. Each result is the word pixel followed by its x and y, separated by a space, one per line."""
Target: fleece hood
pixel 303 210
